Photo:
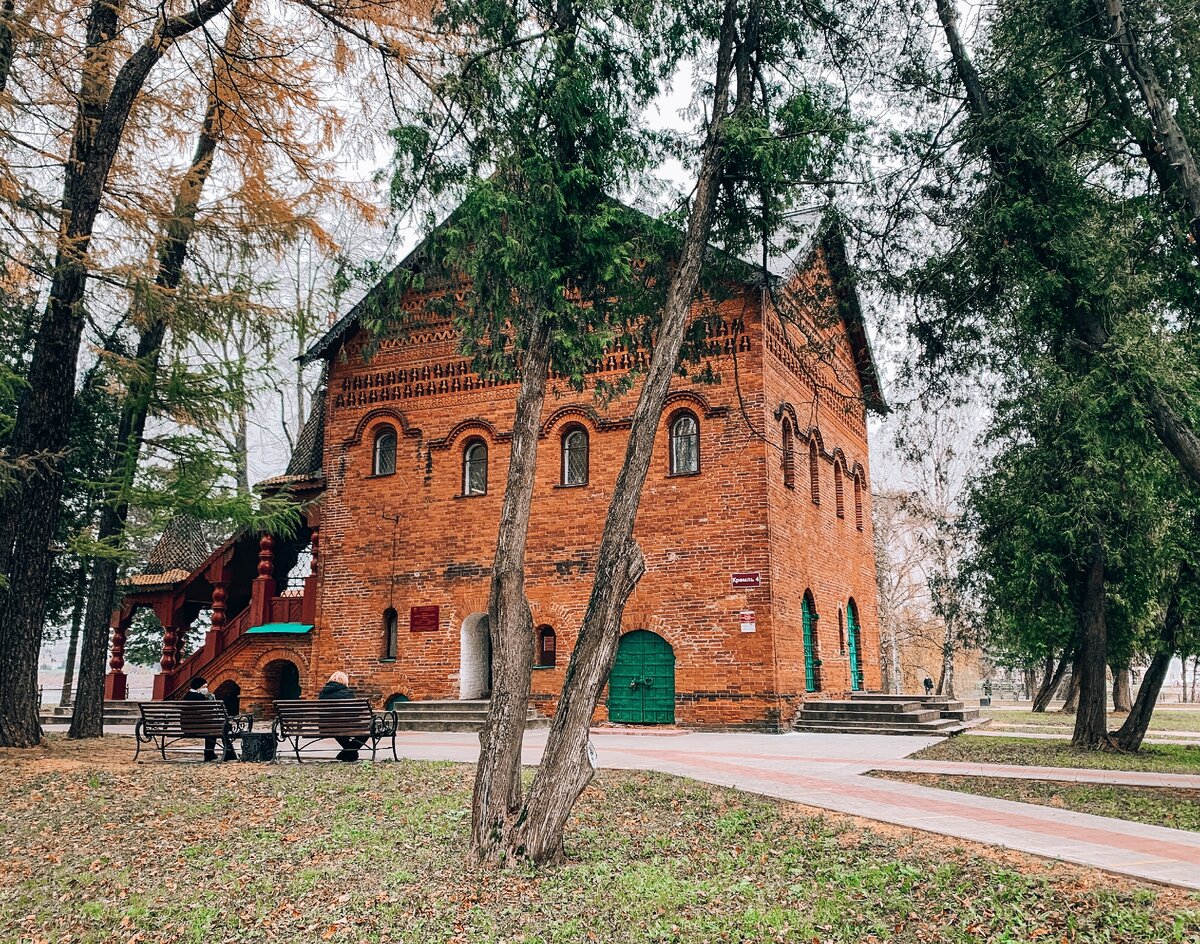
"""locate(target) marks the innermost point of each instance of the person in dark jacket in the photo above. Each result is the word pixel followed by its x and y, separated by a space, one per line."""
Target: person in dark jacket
pixel 199 692
pixel 338 687
pixel 928 686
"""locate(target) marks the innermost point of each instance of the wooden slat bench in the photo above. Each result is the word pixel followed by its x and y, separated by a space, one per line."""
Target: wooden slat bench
pixel 304 723
pixel 165 722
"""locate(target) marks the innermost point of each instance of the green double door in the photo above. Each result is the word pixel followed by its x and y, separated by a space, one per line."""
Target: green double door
pixel 641 688
pixel 855 644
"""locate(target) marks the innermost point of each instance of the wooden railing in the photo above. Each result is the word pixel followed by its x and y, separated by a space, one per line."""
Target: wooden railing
pixel 286 609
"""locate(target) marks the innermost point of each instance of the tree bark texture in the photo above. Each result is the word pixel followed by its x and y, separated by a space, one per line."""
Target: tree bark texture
pixel 1071 699
pixel 67 695
pixel 946 682
pixel 1091 719
pixel 565 769
pixel 8 40
pixel 88 718
pixel 1051 680
pixel 1122 698
pixel 497 797
pixel 1133 730
pixel 30 510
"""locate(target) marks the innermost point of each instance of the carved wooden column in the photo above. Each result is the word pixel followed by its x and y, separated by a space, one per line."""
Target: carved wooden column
pixel 308 608
pixel 263 587
pixel 115 683
pixel 170 641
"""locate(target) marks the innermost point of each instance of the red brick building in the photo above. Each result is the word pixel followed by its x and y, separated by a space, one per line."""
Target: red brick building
pixel 755 522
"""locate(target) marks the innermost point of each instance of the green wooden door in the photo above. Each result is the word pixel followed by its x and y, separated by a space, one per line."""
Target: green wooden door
pixel 810 667
pixel 641 688
pixel 854 643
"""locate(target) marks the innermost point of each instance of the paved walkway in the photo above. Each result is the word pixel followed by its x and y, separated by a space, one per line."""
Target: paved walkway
pixel 1123 778
pixel 825 771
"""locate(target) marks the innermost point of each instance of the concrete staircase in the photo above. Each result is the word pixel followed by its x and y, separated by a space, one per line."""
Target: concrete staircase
pixel 452 715
pixel 115 713
pixel 871 713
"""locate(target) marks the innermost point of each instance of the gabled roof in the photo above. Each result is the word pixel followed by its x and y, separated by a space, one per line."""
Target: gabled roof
pixel 182 547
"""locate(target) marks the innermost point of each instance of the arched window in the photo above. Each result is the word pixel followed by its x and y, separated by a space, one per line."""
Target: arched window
pixel 838 496
pixel 789 455
pixel 383 457
pixel 854 633
pixel 546 650
pixel 575 456
pixel 475 471
pixel 841 632
pixel 858 502
pixel 391 636
pixel 812 662
pixel 814 472
pixel 685 445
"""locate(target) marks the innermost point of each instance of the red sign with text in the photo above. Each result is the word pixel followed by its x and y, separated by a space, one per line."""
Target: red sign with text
pixel 424 619
pixel 746 581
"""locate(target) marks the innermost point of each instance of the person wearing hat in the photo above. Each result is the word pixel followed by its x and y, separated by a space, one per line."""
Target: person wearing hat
pixel 199 692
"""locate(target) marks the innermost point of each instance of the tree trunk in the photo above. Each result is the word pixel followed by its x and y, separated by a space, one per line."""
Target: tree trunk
pixel 68 684
pixel 1091 720
pixel 565 769
pixel 8 41
pixel 88 719
pixel 1071 700
pixel 497 797
pixel 1130 735
pixel 30 509
pixel 1051 679
pixel 1121 691
pixel 946 682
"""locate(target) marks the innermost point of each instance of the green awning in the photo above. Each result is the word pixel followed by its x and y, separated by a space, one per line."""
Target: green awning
pixel 281 628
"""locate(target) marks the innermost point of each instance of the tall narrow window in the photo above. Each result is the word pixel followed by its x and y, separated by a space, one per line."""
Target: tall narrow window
pixel 856 669
pixel 383 459
pixel 391 638
pixel 685 445
pixel 858 502
pixel 575 457
pixel 812 664
pixel 838 495
pixel 547 655
pixel 789 455
pixel 814 472
pixel 475 468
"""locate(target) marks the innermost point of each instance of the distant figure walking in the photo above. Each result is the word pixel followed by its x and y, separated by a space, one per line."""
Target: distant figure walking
pixel 338 687
pixel 928 686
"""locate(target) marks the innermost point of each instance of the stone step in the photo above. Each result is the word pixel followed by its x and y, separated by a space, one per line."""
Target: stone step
pixel 929 701
pixel 890 729
pixel 434 714
pixel 962 714
pixel 458 724
pixel 863 707
pixel 469 706
pixel 882 717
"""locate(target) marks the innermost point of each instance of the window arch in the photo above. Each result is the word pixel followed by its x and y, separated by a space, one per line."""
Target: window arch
pixel 814 472
pixel 858 502
pixel 547 654
pixel 391 634
pixel 383 454
pixel 685 444
pixel 475 468
pixel 839 498
pixel 789 454
pixel 575 456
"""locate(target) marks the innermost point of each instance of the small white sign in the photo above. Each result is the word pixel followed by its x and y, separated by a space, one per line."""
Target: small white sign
pixel 593 757
pixel 746 618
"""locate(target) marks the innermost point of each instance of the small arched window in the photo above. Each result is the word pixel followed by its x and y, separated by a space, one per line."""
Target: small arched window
pixel 789 455
pixel 575 457
pixel 814 472
pixel 475 472
pixel 391 635
pixel 858 502
pixel 685 445
pixel 546 648
pixel 383 457
pixel 838 491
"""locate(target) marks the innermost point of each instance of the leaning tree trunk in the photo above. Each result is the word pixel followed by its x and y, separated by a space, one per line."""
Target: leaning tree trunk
pixel 68 684
pixel 31 508
pixel 1132 732
pixel 566 769
pixel 1070 703
pixel 1121 692
pixel 1051 680
pixel 496 800
pixel 1091 719
pixel 88 718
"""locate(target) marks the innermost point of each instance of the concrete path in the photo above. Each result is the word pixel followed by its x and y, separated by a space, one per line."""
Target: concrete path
pixel 824 770
pixel 1122 778
pixel 1041 734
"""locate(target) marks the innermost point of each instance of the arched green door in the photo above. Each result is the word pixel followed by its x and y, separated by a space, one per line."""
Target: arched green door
pixel 855 646
pixel 641 688
pixel 808 618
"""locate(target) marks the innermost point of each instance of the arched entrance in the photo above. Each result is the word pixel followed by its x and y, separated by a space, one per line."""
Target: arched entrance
pixel 230 693
pixel 641 688
pixel 475 658
pixel 281 679
pixel 854 647
pixel 397 699
pixel 808 618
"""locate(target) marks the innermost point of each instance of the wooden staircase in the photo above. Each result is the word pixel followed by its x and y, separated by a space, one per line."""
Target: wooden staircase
pixel 873 713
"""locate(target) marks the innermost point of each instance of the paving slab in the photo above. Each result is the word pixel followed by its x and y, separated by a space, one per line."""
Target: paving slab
pixel 1123 778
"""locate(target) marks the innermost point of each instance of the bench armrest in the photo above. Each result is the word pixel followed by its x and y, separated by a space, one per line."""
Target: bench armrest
pixel 241 724
pixel 383 724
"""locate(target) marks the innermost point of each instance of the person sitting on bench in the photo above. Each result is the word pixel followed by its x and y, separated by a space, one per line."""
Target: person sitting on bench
pixel 199 692
pixel 338 687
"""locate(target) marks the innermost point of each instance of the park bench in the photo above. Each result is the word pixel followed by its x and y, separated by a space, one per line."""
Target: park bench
pixel 164 722
pixel 304 723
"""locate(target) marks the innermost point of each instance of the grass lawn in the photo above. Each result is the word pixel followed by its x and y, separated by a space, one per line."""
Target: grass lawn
pixel 1161 721
pixel 1032 752
pixel 97 849
pixel 1158 806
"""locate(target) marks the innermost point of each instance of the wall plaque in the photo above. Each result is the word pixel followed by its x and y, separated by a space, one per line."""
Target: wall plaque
pixel 424 619
pixel 746 580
